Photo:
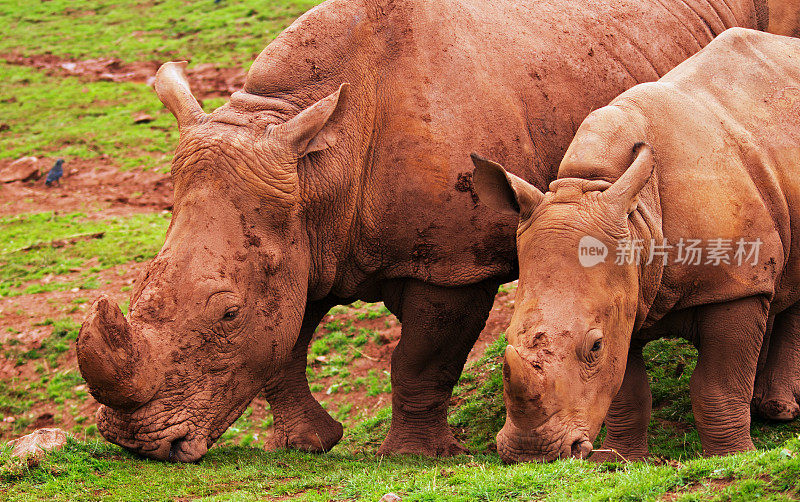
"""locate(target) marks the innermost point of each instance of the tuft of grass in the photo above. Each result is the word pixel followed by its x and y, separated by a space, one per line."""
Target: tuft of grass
pixel 479 411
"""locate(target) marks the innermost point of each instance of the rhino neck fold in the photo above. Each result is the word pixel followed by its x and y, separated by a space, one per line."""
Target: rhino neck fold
pixel 645 223
pixel 334 188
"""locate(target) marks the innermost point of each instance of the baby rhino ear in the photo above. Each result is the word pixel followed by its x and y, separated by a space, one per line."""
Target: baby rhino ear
pixel 312 129
pixel 501 190
pixel 623 195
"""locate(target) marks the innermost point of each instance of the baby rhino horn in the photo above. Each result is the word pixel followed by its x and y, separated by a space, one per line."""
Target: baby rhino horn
pixel 514 371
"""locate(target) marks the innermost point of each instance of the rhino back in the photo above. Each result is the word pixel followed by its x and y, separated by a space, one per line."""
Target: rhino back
pixel 725 126
pixel 434 81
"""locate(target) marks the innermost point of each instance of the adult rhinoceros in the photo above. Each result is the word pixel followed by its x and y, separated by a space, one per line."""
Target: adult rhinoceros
pixel 339 173
pixel 784 17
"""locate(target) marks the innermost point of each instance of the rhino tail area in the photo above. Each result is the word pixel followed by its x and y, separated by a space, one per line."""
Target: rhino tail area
pixel 762 14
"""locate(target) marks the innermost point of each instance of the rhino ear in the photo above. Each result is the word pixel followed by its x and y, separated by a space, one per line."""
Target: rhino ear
pixel 501 190
pixel 624 193
pixel 312 129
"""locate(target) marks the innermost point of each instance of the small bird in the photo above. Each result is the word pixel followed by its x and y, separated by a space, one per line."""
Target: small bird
pixel 55 173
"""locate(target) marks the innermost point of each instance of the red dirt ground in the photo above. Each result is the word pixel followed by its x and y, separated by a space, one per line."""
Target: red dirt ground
pixel 88 185
pixel 206 80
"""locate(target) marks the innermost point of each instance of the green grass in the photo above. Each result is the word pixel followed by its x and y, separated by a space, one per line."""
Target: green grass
pixel 228 34
pixel 480 412
pixel 93 470
pixel 71 118
pixel 66 117
pixel 133 238
pixel 63 388
pixel 64 332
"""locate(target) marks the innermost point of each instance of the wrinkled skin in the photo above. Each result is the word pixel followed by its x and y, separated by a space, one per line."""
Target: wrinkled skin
pixel 339 173
pixel 711 150
pixel 784 17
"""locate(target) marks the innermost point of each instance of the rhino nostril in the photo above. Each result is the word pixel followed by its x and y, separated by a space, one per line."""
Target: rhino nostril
pixel 581 448
pixel 175 449
pixel 184 449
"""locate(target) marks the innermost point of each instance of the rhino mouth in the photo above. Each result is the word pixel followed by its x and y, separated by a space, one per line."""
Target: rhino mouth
pixel 515 445
pixel 177 442
pixel 177 438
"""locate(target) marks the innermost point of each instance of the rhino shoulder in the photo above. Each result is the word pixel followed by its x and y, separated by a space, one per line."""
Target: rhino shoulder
pixel 602 146
pixel 335 39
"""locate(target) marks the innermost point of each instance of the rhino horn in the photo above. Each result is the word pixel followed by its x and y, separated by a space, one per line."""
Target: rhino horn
pixel 515 371
pixel 116 364
pixel 173 90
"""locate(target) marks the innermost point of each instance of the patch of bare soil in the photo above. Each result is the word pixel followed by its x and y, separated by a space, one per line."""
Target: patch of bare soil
pixel 22 314
pixel 206 80
pixel 88 185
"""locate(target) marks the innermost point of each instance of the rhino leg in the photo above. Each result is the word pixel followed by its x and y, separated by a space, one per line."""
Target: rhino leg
pixel 300 421
pixel 439 327
pixel 629 414
pixel 729 337
pixel 777 386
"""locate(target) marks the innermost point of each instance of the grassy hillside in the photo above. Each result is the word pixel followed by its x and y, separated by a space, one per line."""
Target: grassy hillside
pixel 62 96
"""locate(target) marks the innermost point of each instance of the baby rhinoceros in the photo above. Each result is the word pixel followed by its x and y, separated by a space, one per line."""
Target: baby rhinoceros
pixel 676 212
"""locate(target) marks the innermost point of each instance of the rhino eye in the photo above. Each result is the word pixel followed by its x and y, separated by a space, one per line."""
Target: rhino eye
pixel 230 314
pixel 591 347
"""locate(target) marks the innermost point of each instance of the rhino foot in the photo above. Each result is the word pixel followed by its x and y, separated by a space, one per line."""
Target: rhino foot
pixel 316 433
pixel 774 400
pixel 433 442
pixel 780 410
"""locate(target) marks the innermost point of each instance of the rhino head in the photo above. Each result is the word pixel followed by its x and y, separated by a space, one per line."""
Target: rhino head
pixel 572 324
pixel 216 313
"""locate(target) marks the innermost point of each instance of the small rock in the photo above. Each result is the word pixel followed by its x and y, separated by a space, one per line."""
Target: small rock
pixel 142 118
pixel 22 169
pixel 35 445
pixel 390 497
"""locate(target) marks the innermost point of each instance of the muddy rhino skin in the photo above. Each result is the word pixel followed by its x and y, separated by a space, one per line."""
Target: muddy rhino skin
pixel 784 17
pixel 339 173
pixel 714 153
